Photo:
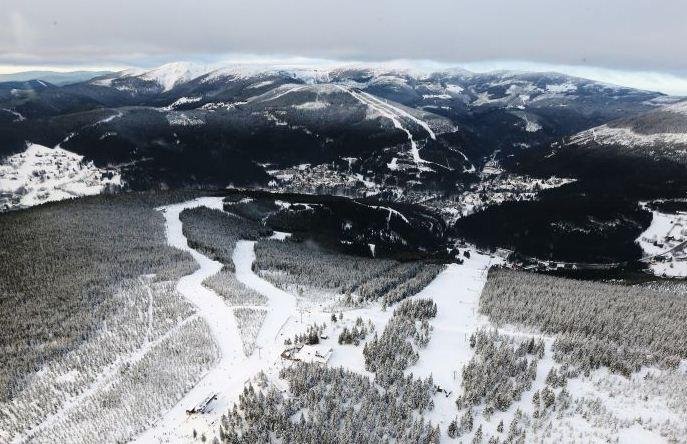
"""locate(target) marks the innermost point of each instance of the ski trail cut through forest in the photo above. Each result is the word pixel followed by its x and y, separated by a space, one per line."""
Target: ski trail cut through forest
pixel 456 291
pixel 395 119
pixel 398 111
pixel 229 376
pixel 209 304
pixel 281 304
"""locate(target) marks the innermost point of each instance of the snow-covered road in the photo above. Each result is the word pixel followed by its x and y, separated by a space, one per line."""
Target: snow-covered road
pixel 281 304
pixel 228 377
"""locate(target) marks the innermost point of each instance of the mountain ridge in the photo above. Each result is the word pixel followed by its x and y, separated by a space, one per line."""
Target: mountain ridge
pixel 351 128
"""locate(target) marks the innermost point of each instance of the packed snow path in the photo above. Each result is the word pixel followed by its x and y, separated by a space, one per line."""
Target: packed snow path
pixel 456 291
pixel 228 377
pixel 281 304
pixel 209 305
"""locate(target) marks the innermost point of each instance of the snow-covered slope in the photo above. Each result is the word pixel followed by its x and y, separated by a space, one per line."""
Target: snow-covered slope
pixel 608 135
pixel 227 378
pixel 661 133
pixel 172 74
pixel 41 174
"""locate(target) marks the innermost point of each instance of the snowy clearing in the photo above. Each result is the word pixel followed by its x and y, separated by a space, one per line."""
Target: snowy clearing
pixel 312 106
pixel 456 292
pixel 41 174
pixel 665 243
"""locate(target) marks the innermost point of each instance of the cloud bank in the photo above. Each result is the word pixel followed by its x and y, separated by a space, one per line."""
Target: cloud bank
pixel 639 43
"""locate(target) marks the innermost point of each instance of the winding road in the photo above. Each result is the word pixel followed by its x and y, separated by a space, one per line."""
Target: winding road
pixel 228 377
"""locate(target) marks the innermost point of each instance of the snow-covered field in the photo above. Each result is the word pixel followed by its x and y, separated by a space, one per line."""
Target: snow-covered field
pixel 41 174
pixel 665 244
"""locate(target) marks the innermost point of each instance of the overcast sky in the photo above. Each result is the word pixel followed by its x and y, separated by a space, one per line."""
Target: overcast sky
pixel 646 39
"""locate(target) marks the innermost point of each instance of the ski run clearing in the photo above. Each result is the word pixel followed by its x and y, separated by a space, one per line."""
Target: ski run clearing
pixel 456 291
pixel 395 114
pixel 228 377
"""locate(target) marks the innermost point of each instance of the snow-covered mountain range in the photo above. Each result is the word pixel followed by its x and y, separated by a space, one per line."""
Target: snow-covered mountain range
pixel 369 128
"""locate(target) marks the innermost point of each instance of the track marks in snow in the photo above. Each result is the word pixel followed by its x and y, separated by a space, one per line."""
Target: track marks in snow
pixel 268 96
pixel 104 380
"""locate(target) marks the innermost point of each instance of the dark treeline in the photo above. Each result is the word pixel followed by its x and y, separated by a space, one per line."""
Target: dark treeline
pixel 311 265
pixel 572 223
pixel 669 206
pixel 399 230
